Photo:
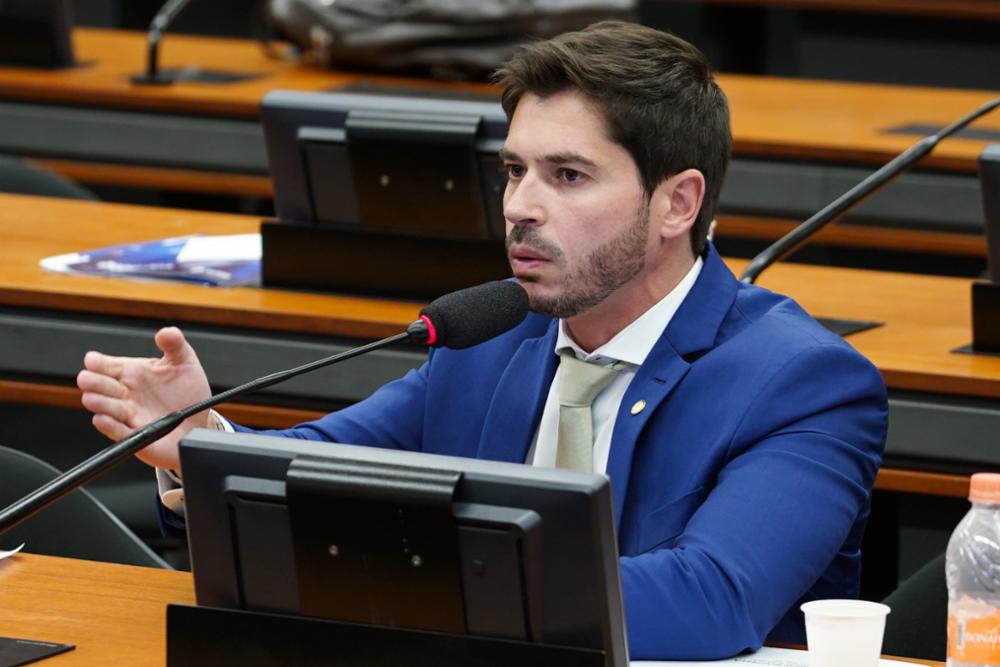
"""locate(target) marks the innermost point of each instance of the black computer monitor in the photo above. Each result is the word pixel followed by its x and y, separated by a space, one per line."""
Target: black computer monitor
pixel 986 293
pixel 36 33
pixel 403 539
pixel 384 192
pixel 387 161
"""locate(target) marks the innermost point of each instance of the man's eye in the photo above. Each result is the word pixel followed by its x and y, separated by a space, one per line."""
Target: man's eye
pixel 570 175
pixel 513 170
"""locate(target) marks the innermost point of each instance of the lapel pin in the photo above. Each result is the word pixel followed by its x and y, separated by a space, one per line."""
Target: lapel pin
pixel 638 406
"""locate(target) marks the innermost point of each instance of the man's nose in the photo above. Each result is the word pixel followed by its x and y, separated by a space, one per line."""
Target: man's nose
pixel 524 202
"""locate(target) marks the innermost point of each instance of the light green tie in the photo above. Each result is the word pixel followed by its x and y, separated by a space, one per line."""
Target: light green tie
pixel 579 384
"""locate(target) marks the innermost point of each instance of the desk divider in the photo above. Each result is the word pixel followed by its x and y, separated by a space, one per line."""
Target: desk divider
pixel 376 262
pixel 208 636
pixel 985 317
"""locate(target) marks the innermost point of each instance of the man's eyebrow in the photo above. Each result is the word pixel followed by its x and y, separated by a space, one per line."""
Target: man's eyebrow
pixel 567 157
pixel 509 155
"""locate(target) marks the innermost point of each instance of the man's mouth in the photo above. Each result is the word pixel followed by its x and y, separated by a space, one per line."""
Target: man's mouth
pixel 525 258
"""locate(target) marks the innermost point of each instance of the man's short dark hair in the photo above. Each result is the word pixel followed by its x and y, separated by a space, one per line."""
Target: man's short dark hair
pixel 656 93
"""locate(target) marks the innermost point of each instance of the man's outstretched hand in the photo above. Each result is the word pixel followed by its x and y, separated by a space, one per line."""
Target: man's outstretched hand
pixel 126 393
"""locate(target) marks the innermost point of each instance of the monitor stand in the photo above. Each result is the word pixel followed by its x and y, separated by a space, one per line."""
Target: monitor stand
pixel 985 319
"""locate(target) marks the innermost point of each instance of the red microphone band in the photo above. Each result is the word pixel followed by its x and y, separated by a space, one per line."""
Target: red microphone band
pixel 431 331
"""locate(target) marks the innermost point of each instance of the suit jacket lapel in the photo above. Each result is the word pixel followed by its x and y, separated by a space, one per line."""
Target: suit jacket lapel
pixel 520 397
pixel 654 380
pixel 693 329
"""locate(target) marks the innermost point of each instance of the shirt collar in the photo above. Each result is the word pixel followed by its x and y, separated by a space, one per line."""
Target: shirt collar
pixel 633 343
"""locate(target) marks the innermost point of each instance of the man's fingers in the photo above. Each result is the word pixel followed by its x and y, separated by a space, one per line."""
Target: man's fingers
pixel 95 383
pixel 103 364
pixel 100 404
pixel 175 348
pixel 109 427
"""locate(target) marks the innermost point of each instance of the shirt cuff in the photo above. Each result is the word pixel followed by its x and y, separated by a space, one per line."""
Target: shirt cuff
pixel 169 482
pixel 171 491
pixel 219 423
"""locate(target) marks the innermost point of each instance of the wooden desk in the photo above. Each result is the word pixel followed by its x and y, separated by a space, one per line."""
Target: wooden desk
pixel 114 614
pixel 943 404
pixel 226 113
pixel 787 118
pixel 802 142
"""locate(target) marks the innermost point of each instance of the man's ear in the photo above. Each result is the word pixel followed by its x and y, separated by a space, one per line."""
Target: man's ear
pixel 675 203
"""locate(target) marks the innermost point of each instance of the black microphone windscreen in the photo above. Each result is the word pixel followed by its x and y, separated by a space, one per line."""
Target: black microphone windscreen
pixel 474 315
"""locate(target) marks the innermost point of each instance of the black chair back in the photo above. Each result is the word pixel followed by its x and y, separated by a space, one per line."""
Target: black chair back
pixel 76 526
pixel 24 178
pixel 917 625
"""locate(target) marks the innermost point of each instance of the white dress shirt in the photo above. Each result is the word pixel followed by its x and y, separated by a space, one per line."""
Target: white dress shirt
pixel 630 346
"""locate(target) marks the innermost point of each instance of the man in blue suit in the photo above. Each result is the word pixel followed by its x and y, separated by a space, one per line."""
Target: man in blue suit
pixel 741 438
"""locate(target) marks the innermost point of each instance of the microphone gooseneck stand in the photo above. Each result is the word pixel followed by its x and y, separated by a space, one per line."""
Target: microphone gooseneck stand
pixel 457 320
pixel 790 242
pixel 157 27
pixel 126 447
pixel 154 76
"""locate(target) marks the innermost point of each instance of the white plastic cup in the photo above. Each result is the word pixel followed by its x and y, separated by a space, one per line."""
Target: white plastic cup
pixel 844 632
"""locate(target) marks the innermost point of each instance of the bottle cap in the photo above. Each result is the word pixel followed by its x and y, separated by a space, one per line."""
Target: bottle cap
pixel 984 487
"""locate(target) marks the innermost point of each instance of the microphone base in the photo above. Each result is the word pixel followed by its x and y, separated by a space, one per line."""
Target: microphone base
pixel 166 77
pixel 845 328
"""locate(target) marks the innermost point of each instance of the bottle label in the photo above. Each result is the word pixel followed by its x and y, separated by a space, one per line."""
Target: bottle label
pixel 973 632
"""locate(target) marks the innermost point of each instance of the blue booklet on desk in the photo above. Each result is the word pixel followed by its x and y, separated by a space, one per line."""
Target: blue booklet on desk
pixel 227 260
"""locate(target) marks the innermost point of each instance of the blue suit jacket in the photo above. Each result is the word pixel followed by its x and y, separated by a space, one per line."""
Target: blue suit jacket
pixel 740 491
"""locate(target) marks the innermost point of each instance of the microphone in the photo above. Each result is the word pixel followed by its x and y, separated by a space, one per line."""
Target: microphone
pixel 156 77
pixel 457 320
pixel 168 12
pixel 791 241
pixel 453 321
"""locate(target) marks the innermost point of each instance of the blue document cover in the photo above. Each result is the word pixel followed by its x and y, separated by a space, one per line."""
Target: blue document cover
pixel 226 260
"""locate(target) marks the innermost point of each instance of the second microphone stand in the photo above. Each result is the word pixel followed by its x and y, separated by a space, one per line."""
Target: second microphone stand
pixel 154 75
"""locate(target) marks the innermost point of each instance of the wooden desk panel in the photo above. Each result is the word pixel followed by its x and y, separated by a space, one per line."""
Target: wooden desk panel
pixel 160 178
pixel 110 57
pixel 833 127
pixel 114 614
pixel 36 227
pixel 253 415
pixel 856 236
pixel 926 316
pixel 846 122
pixel 772 117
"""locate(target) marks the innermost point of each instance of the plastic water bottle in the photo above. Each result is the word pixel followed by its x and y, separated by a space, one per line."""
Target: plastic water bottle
pixel 972 568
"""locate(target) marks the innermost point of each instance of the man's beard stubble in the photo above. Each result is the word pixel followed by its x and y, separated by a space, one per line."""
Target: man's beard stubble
pixel 605 270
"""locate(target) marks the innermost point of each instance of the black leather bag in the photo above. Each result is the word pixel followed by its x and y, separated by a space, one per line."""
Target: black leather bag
pixel 443 38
